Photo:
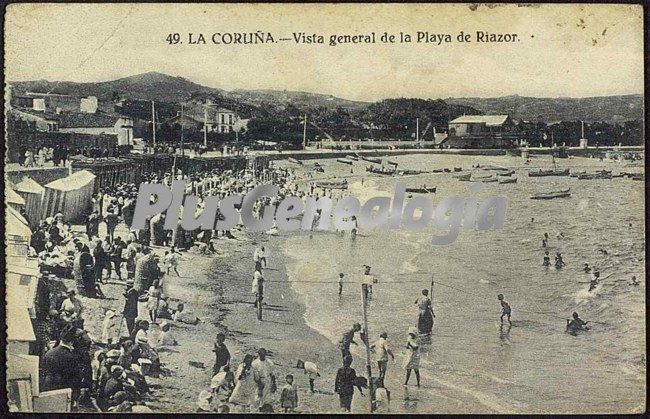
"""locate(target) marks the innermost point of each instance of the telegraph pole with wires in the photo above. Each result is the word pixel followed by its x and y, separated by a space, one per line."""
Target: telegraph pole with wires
pixel 153 121
pixel 364 299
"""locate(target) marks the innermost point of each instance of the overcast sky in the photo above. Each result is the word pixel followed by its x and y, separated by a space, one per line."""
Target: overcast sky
pixel 565 50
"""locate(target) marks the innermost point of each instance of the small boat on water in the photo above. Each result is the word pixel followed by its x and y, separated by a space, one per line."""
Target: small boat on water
pixel 345 161
pixel 553 172
pixel 551 195
pixel 485 179
pixel 506 173
pixel 381 170
pixel 458 169
pixel 603 174
pixel 343 184
pixel 369 159
pixel 423 189
pixel 507 179
pixel 576 174
pixel 464 177
pixel 351 157
pixel 296 161
pixel 412 172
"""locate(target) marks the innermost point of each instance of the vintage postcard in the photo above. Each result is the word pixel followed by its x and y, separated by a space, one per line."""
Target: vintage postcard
pixel 325 208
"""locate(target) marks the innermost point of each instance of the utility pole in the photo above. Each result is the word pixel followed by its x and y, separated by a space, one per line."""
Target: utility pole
pixel 364 299
pixel 205 126
pixel 182 134
pixel 417 130
pixel 304 133
pixel 153 120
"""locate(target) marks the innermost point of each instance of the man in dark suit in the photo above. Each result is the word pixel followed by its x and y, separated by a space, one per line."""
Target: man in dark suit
pixel 60 365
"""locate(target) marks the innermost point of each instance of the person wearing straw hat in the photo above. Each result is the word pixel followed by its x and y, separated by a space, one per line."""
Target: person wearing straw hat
pixel 109 327
pixel 413 357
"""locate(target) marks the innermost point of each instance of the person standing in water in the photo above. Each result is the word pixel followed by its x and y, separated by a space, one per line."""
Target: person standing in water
pixel 341 275
pixel 413 358
pixel 576 324
pixel 426 316
pixel 381 350
pixel 505 308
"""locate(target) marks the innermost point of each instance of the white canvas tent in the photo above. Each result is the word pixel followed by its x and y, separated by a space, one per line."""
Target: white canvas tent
pixel 13 198
pixel 71 196
pixel 16 225
pixel 32 193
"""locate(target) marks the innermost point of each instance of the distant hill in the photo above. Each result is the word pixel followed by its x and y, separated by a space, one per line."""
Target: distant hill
pixel 170 89
pixel 611 109
pixel 297 99
pixel 147 86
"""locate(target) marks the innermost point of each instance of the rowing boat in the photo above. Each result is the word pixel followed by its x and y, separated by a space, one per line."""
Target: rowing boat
pixel 381 170
pixel 346 161
pixel 292 160
pixel 554 172
pixel 485 179
pixel 351 157
pixel 463 177
pixel 507 180
pixel 604 174
pixel 423 189
pixel 550 195
pixel 343 184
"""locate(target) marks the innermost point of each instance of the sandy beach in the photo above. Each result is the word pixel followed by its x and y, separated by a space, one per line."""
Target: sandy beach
pixel 216 289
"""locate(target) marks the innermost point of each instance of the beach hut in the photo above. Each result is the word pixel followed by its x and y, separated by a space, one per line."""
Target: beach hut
pixel 32 193
pixel 17 228
pixel 13 199
pixel 71 196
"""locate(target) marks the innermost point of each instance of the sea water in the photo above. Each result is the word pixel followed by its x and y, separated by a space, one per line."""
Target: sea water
pixel 473 363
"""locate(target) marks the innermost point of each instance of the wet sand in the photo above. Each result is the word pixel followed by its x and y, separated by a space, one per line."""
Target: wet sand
pixel 216 288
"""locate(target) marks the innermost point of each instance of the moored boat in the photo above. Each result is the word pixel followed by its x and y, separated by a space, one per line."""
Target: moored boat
pixel 345 161
pixel 551 195
pixel 507 180
pixel 485 179
pixel 464 177
pixel 554 172
pixel 296 161
pixel 380 170
pixel 423 189
pixel 343 184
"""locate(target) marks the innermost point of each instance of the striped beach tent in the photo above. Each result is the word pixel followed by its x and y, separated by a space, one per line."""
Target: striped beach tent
pixel 70 196
pixel 32 193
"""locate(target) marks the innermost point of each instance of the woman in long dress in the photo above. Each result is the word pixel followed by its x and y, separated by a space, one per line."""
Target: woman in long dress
pixel 245 387
pixel 425 318
pixel 413 358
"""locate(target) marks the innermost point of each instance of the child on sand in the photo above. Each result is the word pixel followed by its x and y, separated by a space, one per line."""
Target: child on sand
pixel 289 395
pixel 311 369
pixel 505 308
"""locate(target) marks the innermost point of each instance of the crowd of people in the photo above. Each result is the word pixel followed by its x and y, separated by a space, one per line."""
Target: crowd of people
pixel 59 155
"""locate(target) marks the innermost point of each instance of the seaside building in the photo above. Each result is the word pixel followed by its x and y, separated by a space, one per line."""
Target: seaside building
pixel 481 131
pixel 98 124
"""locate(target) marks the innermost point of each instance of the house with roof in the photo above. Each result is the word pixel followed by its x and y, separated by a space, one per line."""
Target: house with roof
pixel 39 120
pixel 481 131
pixel 99 124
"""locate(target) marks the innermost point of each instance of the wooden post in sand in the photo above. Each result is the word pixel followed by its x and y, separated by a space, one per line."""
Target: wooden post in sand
pixel 364 298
